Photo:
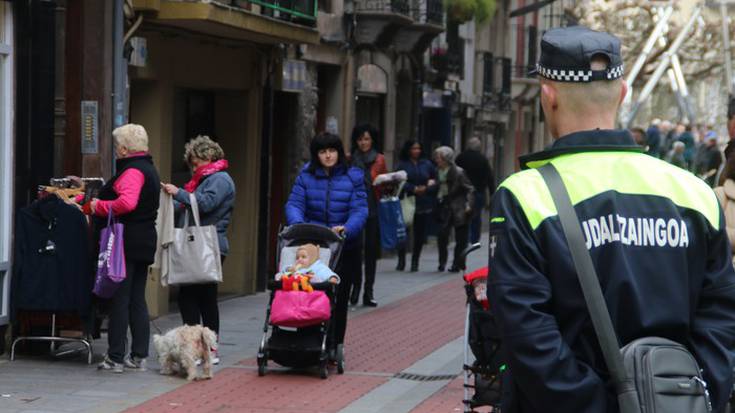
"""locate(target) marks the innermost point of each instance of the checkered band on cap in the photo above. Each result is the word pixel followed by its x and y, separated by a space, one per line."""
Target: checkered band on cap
pixel 563 75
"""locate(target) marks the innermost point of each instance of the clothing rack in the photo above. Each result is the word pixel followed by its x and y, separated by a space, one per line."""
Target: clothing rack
pixel 65 188
pixel 53 339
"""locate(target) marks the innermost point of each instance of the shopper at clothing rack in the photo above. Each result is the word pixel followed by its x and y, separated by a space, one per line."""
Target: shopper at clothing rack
pixel 133 195
pixel 214 190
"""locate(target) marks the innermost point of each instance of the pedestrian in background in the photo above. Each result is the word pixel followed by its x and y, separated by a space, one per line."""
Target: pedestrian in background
pixel 639 136
pixel 454 209
pixel 666 129
pixel 329 192
pixel 653 138
pixel 478 169
pixel 676 155
pixel 365 155
pixel 133 196
pixel 726 195
pixel 421 184
pixel 214 191
pixel 687 138
pixel 708 159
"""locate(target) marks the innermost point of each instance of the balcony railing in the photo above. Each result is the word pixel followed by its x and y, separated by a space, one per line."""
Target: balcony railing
pixel 428 11
pixel 291 10
pixel 387 6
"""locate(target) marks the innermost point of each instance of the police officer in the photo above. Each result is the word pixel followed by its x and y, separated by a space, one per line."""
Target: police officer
pixel 655 233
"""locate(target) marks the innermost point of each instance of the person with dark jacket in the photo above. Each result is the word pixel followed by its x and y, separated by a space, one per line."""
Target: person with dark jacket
pixel 456 200
pixel 689 145
pixel 655 234
pixel 653 138
pixel 477 168
pixel 365 156
pixel 331 193
pixel 420 184
pixel 214 191
pixel 133 196
pixel 708 160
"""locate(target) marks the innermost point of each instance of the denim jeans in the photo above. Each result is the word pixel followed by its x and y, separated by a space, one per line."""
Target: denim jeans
pixel 476 223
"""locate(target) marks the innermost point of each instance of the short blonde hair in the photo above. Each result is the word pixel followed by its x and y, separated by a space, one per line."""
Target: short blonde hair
pixel 131 136
pixel 204 148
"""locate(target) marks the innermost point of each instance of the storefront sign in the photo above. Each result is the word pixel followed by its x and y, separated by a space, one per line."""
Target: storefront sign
pixel 293 75
pixel 372 79
pixel 90 127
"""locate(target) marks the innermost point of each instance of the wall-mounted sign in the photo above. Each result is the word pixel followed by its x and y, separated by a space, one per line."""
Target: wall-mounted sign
pixel 371 79
pixel 293 75
pixel 90 127
pixel 139 57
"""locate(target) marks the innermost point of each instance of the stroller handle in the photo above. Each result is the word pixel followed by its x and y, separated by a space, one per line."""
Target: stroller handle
pixel 471 248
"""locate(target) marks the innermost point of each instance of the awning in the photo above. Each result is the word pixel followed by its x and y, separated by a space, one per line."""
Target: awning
pixel 211 18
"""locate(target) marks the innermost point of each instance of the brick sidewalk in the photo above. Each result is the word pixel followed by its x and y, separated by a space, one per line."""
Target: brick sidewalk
pixel 379 344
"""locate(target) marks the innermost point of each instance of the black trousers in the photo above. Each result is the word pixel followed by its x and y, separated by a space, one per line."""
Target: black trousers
pixel 460 243
pixel 348 270
pixel 128 309
pixel 198 304
pixel 418 230
pixel 371 250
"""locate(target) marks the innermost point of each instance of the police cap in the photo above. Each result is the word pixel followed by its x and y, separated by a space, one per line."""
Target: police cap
pixel 566 54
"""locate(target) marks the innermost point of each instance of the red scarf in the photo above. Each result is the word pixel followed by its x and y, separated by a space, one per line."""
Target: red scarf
pixel 203 171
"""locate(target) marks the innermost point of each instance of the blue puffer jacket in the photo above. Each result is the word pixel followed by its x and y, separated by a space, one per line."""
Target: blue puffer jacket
pixel 330 200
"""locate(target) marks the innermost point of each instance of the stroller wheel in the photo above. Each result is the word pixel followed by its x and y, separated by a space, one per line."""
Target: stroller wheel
pixel 323 372
pixel 262 363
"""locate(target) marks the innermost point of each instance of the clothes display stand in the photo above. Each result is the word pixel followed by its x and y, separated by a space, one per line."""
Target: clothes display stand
pixel 53 268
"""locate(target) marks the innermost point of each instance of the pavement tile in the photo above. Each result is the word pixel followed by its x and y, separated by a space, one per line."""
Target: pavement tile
pixel 241 390
pixel 447 400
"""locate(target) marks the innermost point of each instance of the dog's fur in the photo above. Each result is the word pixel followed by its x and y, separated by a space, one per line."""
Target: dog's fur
pixel 179 349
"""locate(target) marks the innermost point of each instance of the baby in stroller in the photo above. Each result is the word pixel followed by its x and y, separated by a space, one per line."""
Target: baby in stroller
pixel 307 269
pixel 482 338
pixel 302 299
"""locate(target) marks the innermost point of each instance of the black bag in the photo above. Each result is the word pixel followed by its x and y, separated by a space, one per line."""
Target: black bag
pixel 651 374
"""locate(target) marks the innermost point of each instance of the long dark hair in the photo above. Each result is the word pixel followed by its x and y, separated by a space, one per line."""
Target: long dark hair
pixel 405 154
pixel 326 140
pixel 728 172
pixel 360 130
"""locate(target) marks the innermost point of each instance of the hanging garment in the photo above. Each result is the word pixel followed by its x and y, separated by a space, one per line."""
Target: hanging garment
pixel 52 268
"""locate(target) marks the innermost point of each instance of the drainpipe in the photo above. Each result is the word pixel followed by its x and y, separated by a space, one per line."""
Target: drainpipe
pixel 119 72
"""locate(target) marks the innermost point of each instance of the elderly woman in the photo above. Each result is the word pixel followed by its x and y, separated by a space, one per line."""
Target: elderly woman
pixel 132 195
pixel 331 193
pixel 214 191
pixel 456 198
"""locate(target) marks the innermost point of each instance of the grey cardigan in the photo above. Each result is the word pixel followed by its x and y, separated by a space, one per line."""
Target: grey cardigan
pixel 216 197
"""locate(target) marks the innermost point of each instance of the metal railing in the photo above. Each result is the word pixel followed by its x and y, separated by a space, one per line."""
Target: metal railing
pixel 428 11
pixel 283 9
pixel 388 6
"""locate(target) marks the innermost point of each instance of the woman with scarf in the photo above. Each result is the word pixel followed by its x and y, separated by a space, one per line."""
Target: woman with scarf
pixel 214 191
pixel 365 156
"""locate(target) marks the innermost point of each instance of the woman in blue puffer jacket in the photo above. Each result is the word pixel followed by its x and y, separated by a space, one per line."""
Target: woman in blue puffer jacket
pixel 329 192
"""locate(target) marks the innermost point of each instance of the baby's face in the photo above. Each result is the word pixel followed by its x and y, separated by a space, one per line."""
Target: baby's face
pixel 302 258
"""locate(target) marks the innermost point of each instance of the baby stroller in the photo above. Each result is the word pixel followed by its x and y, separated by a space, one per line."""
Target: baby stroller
pixel 305 346
pixel 482 338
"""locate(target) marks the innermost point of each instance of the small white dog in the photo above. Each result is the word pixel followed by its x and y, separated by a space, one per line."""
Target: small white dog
pixel 180 349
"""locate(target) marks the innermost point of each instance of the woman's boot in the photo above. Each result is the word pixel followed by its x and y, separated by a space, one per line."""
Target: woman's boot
pixel 401 260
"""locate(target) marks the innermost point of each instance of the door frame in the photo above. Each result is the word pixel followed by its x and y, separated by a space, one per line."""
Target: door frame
pixel 6 155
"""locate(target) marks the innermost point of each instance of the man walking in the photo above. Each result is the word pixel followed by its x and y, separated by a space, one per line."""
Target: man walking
pixel 477 168
pixel 655 233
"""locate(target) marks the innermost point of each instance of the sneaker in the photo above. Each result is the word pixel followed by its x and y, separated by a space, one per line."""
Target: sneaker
pixel 215 357
pixel 108 364
pixel 134 363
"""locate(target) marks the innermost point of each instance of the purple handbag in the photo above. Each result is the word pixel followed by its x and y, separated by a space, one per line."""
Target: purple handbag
pixel 111 261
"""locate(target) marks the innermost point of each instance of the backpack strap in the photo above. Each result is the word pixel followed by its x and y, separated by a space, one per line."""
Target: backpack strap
pixel 590 283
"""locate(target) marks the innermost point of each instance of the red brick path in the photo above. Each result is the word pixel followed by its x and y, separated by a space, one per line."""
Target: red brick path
pixel 384 341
